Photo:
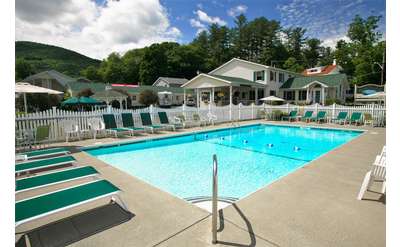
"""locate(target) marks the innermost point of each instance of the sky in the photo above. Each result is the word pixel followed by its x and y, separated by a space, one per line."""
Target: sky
pixel 96 28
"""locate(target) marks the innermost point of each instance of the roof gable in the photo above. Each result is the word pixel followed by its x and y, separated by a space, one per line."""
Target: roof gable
pixel 171 80
pixel 51 74
pixel 331 80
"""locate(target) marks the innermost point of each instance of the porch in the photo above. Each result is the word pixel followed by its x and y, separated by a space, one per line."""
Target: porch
pixel 216 90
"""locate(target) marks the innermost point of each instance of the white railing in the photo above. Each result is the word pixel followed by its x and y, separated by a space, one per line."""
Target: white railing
pixel 54 117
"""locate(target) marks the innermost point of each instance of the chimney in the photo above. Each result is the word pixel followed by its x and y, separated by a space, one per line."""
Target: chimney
pixel 334 62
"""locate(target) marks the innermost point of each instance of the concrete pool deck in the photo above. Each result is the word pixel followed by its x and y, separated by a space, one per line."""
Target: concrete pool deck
pixel 313 206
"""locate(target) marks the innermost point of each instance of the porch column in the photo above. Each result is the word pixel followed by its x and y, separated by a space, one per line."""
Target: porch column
pixel 184 96
pixel 307 96
pixel 198 98
pixel 230 103
pixel 212 96
pixel 256 96
pixel 323 95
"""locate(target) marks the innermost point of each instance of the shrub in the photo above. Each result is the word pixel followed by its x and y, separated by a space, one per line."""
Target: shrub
pixel 86 92
pixel 148 97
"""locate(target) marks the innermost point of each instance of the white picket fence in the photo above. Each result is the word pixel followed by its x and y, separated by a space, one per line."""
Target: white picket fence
pixel 54 117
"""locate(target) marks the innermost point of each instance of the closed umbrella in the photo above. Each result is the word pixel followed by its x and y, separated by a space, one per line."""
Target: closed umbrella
pixel 24 88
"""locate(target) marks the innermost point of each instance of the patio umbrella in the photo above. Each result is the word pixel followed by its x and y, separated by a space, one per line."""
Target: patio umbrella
pixel 272 99
pixel 24 88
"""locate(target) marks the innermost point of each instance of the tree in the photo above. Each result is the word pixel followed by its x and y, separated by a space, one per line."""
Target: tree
pixel 23 69
pixel 295 41
pixel 92 74
pixel 111 69
pixel 312 52
pixel 292 65
pixel 86 92
pixel 148 97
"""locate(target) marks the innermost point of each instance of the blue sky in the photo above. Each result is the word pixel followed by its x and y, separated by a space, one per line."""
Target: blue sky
pixel 96 28
pixel 324 19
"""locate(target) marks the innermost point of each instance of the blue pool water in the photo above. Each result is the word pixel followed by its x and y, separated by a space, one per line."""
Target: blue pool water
pixel 249 158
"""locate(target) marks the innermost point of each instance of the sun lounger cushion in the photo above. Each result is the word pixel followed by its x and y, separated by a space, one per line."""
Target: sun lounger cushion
pixel 37 164
pixel 55 177
pixel 46 204
pixel 45 152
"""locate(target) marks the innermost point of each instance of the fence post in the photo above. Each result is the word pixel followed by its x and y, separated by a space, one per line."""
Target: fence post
pixel 239 113
pixel 183 110
pixel 333 110
pixel 230 112
pixel 316 107
pixel 252 111
pixel 287 107
pixel 54 113
pixel 373 114
pixel 151 111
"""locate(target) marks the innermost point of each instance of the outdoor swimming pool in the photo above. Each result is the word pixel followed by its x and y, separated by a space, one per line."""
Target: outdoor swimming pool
pixel 249 158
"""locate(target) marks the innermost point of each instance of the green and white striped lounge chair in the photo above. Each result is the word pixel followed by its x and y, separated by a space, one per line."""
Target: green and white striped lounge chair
pixel 111 125
pixel 52 178
pixel 307 116
pixel 341 118
pixel 47 204
pixel 292 115
pixel 42 153
pixel 355 118
pixel 128 123
pixel 321 116
pixel 165 121
pixel 147 123
pixel 29 166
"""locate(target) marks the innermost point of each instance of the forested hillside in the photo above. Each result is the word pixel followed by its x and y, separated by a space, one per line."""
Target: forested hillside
pixel 36 57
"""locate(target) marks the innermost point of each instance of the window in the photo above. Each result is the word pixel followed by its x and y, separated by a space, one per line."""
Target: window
pixel 272 76
pixel 259 75
pixel 340 91
pixel 281 77
pixel 177 97
pixel 243 95
pixel 288 95
pixel 252 95
pixel 272 93
pixel 133 97
pixel 303 95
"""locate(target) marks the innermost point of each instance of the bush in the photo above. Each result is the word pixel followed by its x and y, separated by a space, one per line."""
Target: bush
pixel 332 101
pixel 148 97
pixel 86 92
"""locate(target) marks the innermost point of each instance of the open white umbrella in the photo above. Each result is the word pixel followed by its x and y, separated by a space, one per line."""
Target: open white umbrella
pixel 24 88
pixel 164 92
pixel 271 98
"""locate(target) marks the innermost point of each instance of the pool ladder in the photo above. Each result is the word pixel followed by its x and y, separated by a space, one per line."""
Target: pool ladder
pixel 214 200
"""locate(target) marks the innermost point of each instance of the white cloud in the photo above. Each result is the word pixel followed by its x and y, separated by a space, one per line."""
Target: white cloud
pixel 235 11
pixel 204 17
pixel 93 30
pixel 326 20
pixel 331 41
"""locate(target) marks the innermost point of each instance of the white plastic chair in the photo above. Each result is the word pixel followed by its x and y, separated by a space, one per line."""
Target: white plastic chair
pixel 71 129
pixel 96 126
pixel 211 118
pixel 377 172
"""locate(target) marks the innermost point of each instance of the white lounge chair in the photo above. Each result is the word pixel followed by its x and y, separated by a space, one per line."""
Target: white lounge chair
pixel 377 172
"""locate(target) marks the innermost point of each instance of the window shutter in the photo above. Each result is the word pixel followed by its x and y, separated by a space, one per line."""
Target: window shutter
pixel 263 75
pixel 254 75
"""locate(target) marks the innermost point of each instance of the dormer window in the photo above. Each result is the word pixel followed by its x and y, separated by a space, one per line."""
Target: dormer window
pixel 259 75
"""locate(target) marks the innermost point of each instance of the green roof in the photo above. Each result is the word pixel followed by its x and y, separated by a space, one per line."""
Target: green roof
pixel 332 80
pixel 236 81
pixel 76 87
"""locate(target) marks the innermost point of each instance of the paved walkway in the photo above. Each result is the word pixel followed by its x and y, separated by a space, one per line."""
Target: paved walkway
pixel 313 206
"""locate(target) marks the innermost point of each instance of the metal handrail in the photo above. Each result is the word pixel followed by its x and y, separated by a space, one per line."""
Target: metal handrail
pixel 214 199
